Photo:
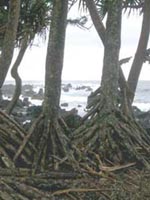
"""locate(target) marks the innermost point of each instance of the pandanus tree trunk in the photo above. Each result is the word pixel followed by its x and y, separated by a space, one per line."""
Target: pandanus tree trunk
pixel 109 135
pixel 140 52
pixel 110 73
pixel 15 75
pixel 101 30
pixel 54 59
pixel 9 39
pixel 48 133
pixel 97 21
pixel 53 145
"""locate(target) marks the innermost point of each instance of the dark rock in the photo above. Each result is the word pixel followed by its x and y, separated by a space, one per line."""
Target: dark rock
pixel 64 104
pixel 4 103
pixel 89 89
pixel 83 87
pixel 27 87
pixel 29 93
pixel 39 95
pixel 20 103
pixel 66 87
pixel 69 85
pixel 34 111
pixel 72 118
pixel 27 124
pixel 79 106
pixel 27 90
pixel 41 92
pixel 137 112
pixel 26 102
pixel 142 117
pixel 8 90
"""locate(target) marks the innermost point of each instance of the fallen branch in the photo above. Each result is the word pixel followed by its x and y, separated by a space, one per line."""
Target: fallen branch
pixel 82 190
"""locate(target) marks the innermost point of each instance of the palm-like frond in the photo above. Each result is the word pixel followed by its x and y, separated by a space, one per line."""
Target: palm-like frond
pixel 71 3
pixel 79 22
pixel 102 5
pixel 82 5
pixel 133 5
pixel 34 18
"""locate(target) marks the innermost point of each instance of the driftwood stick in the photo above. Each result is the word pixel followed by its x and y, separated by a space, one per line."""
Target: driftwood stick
pixel 17 172
pixel 80 190
pixel 27 138
pixel 8 120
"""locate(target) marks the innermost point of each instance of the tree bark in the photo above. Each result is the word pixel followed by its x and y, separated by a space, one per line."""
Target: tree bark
pixel 53 145
pixel 54 59
pixel 9 39
pixel 140 52
pixel 99 26
pixel 101 30
pixel 15 75
pixel 110 74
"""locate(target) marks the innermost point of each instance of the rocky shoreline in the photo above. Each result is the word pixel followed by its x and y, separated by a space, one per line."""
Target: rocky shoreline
pixel 25 112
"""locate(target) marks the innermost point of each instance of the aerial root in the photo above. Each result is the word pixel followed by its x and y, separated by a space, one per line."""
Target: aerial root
pixel 53 146
pixel 46 144
pixel 118 138
pixel 11 136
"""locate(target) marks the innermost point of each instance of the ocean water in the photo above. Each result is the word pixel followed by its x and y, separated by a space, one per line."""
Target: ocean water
pixel 76 96
pixel 79 97
pixel 142 96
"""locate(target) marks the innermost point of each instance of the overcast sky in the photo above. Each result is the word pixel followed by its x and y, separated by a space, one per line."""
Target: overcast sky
pixel 84 53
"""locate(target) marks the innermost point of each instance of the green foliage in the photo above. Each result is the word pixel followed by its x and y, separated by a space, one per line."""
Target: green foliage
pixel 133 5
pixel 34 19
pixel 79 22
pixel 102 5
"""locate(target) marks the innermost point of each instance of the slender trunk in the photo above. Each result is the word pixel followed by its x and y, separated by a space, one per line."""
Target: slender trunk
pixel 9 39
pixel 110 75
pixel 15 75
pixel 140 52
pixel 50 139
pixel 96 19
pixel 1 96
pixel 54 59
